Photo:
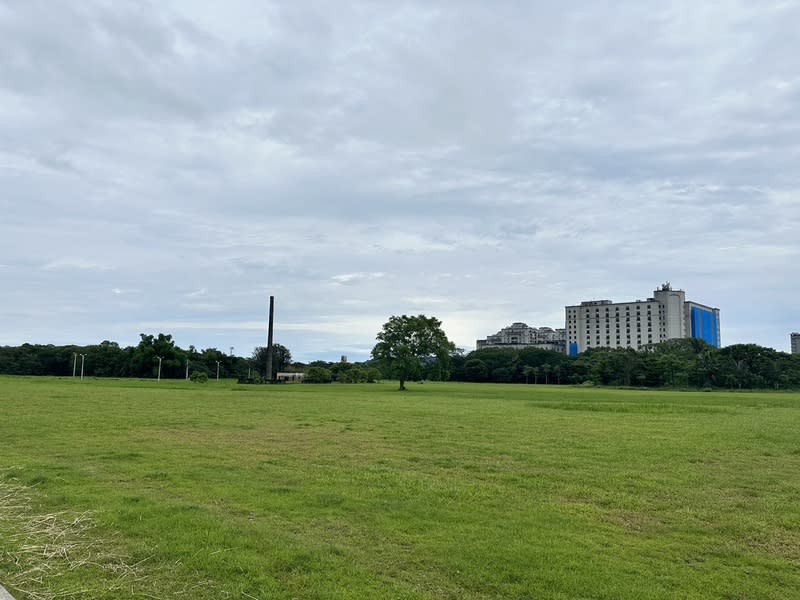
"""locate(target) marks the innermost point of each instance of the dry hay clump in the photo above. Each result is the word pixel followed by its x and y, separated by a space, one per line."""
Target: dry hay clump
pixel 40 551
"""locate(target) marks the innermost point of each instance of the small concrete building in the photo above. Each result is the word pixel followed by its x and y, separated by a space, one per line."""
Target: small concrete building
pixel 290 377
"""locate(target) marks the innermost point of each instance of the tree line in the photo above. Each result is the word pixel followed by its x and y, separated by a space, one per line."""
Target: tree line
pixel 677 363
pixel 680 363
pixel 109 359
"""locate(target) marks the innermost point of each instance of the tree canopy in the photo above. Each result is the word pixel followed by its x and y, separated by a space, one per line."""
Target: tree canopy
pixel 405 341
pixel 281 359
pixel 109 359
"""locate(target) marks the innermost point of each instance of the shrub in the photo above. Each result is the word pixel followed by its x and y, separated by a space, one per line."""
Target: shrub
pixel 354 375
pixel 318 375
pixel 199 377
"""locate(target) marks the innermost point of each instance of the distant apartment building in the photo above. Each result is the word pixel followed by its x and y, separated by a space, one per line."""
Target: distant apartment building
pixel 521 335
pixel 795 338
pixel 665 316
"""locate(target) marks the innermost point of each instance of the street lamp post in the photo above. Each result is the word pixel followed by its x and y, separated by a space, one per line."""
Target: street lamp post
pixel 74 363
pixel 187 369
pixel 218 370
pixel 159 367
pixel 83 357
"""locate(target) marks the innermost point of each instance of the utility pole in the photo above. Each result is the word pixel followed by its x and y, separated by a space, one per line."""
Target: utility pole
pixel 187 369
pixel 83 357
pixel 218 370
pixel 74 363
pixel 159 367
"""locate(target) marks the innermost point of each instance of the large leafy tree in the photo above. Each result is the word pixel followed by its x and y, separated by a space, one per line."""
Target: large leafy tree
pixel 146 353
pixel 476 370
pixel 405 341
pixel 281 359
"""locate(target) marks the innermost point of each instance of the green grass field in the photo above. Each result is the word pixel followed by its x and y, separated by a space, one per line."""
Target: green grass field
pixel 132 489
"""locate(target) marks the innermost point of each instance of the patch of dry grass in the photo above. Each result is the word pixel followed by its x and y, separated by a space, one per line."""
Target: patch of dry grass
pixel 40 548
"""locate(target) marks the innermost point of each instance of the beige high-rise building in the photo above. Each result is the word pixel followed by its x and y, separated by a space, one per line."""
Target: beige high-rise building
pixel 665 316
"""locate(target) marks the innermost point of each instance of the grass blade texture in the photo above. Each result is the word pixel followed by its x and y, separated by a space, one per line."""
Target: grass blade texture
pixel 138 489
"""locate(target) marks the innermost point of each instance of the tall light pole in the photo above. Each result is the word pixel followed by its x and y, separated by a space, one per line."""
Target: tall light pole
pixel 83 357
pixel 159 367
pixel 218 370
pixel 74 362
pixel 187 369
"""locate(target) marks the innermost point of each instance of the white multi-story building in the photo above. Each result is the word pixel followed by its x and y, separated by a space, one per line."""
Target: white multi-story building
pixel 521 335
pixel 795 338
pixel 665 316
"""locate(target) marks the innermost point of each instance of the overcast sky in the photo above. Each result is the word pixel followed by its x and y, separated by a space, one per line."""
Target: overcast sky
pixel 166 166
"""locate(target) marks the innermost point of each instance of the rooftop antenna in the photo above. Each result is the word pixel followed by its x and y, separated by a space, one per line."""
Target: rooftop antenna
pixel 269 337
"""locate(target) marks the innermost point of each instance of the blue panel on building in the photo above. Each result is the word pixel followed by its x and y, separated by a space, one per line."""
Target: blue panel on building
pixel 573 349
pixel 704 326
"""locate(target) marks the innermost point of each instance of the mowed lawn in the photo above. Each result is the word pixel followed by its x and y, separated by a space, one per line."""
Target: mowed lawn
pixel 135 489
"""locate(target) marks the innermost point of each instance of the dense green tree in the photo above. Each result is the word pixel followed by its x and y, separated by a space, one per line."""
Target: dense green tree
pixel 558 371
pixel 339 369
pixel 527 371
pixel 318 375
pixel 546 370
pixel 503 375
pixel 476 370
pixel 373 374
pixel 145 356
pixel 495 358
pixel 405 340
pixel 213 362
pixel 355 374
pixel 281 359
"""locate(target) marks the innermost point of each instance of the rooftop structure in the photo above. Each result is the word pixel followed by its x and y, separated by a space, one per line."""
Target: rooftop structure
pixel 521 335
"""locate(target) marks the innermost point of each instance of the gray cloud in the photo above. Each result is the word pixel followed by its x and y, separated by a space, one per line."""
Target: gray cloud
pixel 172 165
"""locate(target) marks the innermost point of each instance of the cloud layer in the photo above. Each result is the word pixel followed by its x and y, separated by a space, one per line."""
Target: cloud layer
pixel 168 166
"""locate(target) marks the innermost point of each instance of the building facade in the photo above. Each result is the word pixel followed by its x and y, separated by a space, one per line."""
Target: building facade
pixel 795 339
pixel 665 316
pixel 521 335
